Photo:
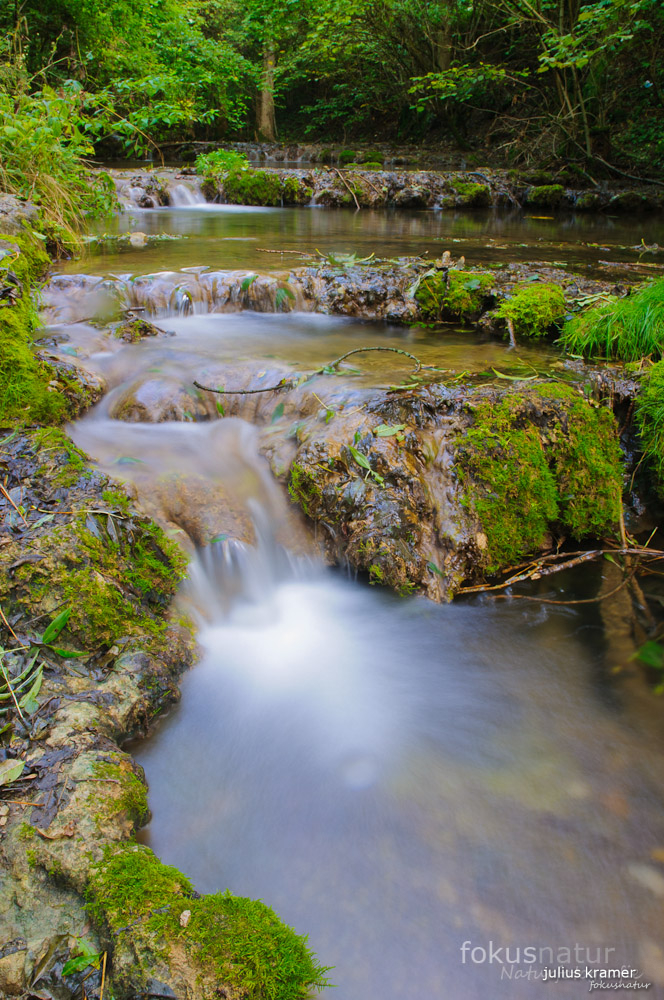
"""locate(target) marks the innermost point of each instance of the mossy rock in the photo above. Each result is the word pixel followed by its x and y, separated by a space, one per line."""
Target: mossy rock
pixel 347 156
pixel 630 201
pixel 29 389
pixel 371 157
pixel 253 187
pixel 535 461
pixel 588 201
pixel 534 309
pixel 217 945
pixel 471 195
pixel 454 294
pixel 546 196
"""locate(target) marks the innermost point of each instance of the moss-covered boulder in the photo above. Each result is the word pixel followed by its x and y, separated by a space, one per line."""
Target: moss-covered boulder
pixel 546 196
pixel 439 486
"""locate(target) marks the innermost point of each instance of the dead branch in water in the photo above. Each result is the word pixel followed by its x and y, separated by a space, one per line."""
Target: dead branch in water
pixel 327 369
pixel 557 562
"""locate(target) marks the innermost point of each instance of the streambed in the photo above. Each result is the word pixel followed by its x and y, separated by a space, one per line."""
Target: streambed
pixel 393 776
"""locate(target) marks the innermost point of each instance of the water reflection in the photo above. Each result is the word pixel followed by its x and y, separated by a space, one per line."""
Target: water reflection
pixel 229 236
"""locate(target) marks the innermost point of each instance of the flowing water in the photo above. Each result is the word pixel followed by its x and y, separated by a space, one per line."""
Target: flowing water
pixel 417 787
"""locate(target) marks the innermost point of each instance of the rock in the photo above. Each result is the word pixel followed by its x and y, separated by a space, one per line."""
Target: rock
pixel 16 214
pixel 157 399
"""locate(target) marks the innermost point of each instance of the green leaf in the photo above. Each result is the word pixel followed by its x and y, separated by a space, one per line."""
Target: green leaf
pixel 29 700
pixel 472 285
pixel 218 538
pixel 278 412
pixel 359 458
pixel 514 378
pixel 56 626
pixel 10 770
pixel 283 295
pixel 434 569
pixel 67 654
pixel 248 282
pixel 128 460
pixel 220 410
pixel 652 654
pixel 387 430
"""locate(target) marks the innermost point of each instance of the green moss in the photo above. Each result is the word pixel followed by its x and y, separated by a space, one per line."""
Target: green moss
pixel 454 294
pixel 253 187
pixel 25 395
pixel 587 468
pixel 523 469
pixel 371 157
pixel 304 489
pixel 131 883
pixel 237 941
pixel 473 195
pixel 588 201
pixel 347 156
pixel 64 463
pixel 533 309
pixel 650 421
pixel 546 195
pixel 376 574
pixel 294 192
pixel 133 798
pixel 116 499
pixel 370 166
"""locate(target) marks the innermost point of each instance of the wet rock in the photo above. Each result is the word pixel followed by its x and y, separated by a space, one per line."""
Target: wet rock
pixel 157 399
pixel 433 486
pixel 15 214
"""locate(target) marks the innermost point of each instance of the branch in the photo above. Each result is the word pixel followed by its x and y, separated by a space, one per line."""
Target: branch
pixel 325 369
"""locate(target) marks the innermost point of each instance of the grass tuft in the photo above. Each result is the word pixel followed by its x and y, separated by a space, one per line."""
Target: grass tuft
pixel 625 329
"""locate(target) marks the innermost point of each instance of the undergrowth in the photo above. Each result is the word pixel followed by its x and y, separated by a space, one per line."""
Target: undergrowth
pixel 625 329
pixel 650 421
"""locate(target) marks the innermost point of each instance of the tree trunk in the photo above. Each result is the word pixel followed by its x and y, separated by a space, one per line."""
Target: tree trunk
pixel 266 122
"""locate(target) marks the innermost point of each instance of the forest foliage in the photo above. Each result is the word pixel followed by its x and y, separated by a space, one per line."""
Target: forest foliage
pixel 535 79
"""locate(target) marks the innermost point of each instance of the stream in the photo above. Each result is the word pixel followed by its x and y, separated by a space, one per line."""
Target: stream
pixel 417 787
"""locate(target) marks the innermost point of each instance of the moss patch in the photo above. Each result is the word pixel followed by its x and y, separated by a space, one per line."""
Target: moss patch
pixel 454 294
pixel 253 187
pixel 25 394
pixel 133 799
pixel 237 941
pixel 473 195
pixel 546 195
pixel 534 309
pixel 304 490
pixel 529 463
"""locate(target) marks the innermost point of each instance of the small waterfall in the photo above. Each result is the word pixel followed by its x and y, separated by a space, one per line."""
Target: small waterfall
pixel 72 298
pixel 185 196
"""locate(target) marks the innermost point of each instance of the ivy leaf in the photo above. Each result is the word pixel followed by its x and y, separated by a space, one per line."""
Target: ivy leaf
pixel 388 430
pixel 278 412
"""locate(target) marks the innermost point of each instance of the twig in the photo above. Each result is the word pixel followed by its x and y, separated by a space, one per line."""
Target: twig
pixel 631 177
pixel 6 494
pixel 363 350
pixel 103 976
pixel 245 392
pixel 22 802
pixel 535 570
pixel 348 187
pixel 11 691
pixel 510 327
pixel 2 615
pixel 298 253
pixel 546 600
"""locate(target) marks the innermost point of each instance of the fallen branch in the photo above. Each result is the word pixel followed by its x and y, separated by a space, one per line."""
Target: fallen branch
pixel 539 568
pixel 348 187
pixel 325 369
